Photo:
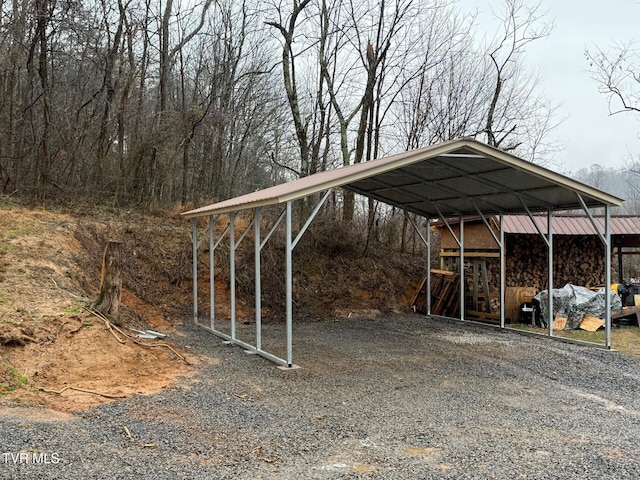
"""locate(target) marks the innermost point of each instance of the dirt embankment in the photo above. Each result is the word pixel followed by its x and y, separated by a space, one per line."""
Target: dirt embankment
pixel 49 268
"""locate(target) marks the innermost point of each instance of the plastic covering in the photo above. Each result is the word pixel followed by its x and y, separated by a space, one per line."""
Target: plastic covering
pixel 575 302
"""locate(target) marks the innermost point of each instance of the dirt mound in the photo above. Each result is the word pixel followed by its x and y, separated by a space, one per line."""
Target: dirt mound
pixel 49 269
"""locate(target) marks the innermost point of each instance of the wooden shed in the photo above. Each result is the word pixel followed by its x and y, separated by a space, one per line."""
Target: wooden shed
pixel 578 256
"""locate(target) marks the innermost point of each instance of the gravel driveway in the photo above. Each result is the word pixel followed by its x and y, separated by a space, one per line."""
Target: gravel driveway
pixel 395 398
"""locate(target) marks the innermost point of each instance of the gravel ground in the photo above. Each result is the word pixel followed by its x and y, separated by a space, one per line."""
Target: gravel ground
pixel 396 398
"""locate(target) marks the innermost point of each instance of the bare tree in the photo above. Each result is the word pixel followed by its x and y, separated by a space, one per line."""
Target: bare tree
pixel 356 79
pixel 521 25
pixel 617 75
pixel 287 25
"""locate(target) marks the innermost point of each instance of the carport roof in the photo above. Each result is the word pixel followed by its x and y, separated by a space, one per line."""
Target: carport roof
pixel 456 178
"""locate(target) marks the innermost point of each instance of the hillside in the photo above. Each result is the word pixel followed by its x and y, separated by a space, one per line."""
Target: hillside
pixel 50 264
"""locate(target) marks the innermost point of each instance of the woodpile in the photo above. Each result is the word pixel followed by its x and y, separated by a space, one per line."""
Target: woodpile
pixel 577 260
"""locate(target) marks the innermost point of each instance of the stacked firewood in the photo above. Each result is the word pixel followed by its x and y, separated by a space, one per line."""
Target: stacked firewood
pixel 576 260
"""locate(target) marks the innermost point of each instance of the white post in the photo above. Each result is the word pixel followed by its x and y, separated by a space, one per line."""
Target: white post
pixel 232 271
pixel 461 268
pixel 503 277
pixel 428 284
pixel 607 274
pixel 212 275
pixel 289 281
pixel 194 235
pixel 550 272
pixel 257 250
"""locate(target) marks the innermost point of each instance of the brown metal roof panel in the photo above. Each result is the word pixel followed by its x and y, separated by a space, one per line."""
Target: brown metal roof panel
pixel 320 181
pixel 625 225
pixel 571 225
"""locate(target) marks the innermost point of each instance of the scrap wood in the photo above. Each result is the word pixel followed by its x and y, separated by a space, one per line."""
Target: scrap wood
pixel 83 390
pixel 559 322
pixel 418 292
pixel 590 323
pixel 113 327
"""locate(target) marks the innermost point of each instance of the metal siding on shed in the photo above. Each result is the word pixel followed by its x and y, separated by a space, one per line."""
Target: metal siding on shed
pixel 571 225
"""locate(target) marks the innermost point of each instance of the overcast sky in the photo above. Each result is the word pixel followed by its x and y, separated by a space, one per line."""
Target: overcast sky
pixel 589 133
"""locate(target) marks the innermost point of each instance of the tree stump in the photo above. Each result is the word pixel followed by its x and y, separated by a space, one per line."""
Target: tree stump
pixel 108 301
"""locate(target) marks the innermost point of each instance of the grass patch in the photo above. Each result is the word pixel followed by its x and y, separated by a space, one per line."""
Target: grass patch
pixel 6 247
pixel 17 375
pixel 8 202
pixel 624 339
pixel 11 379
pixel 72 310
pixel 19 232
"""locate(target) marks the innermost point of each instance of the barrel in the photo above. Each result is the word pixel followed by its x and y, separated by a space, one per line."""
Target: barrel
pixel 513 298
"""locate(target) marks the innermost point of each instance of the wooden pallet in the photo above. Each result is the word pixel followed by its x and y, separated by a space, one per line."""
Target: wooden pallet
pixel 445 290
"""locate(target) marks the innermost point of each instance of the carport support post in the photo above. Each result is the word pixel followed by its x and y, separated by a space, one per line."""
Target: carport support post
pixel 550 272
pixel 232 271
pixel 607 275
pixel 256 235
pixel 428 285
pixel 502 270
pixel 289 296
pixel 212 301
pixel 461 268
pixel 194 235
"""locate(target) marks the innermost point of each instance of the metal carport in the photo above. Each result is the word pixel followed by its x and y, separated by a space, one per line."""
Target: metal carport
pixel 452 179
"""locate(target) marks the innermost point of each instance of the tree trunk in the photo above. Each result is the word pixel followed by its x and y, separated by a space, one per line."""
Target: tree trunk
pixel 108 301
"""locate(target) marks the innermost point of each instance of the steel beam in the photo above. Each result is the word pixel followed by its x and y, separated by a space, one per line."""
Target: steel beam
pixel 607 275
pixel 212 275
pixel 194 237
pixel 550 272
pixel 232 271
pixel 289 286
pixel 503 273
pixel 257 251
pixel 461 268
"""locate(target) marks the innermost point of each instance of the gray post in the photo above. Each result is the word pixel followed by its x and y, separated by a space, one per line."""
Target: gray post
pixel 607 274
pixel 194 235
pixel 503 279
pixel 256 227
pixel 232 271
pixel 289 281
pixel 550 272
pixel 428 284
pixel 461 268
pixel 212 275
